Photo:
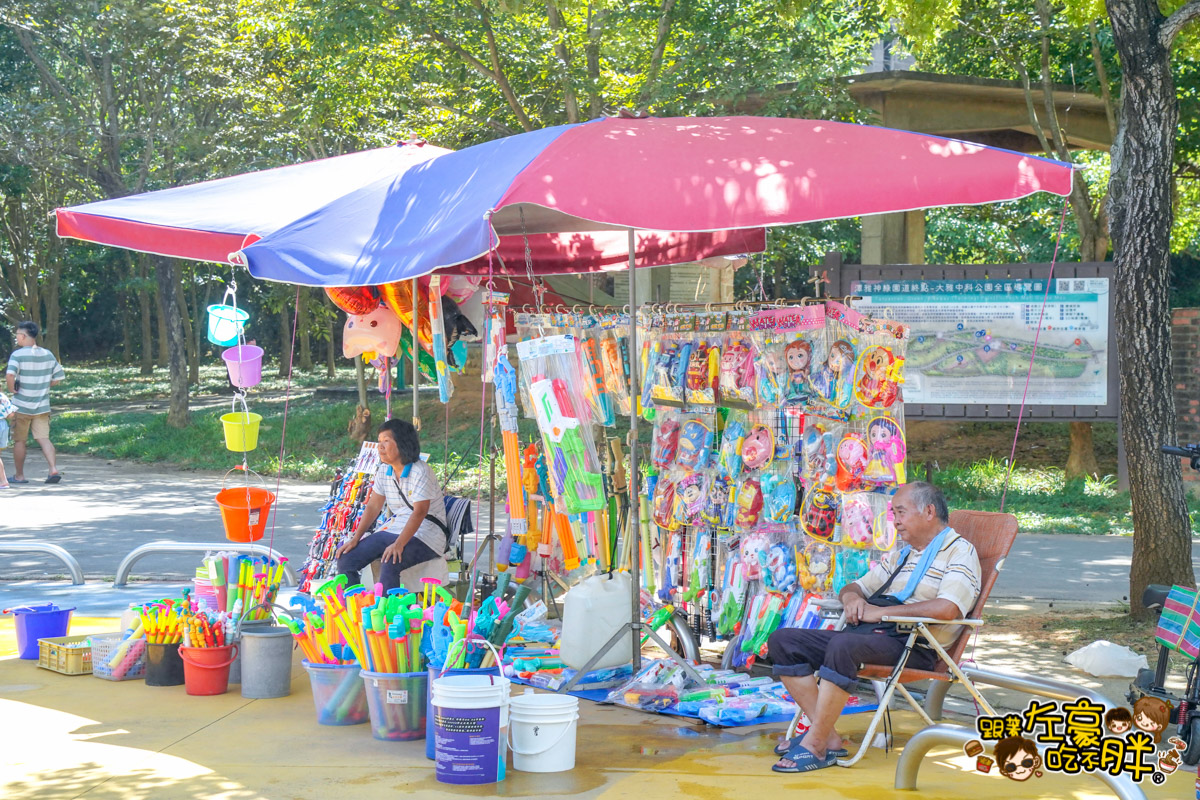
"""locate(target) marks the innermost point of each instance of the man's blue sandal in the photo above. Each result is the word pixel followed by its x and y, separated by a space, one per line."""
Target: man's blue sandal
pixel 783 747
pixel 804 760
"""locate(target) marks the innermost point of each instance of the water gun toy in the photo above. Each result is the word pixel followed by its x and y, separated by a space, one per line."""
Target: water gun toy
pixel 438 329
pixel 580 486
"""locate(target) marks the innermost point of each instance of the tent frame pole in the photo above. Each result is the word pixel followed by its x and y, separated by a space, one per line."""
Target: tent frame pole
pixel 416 354
pixel 635 625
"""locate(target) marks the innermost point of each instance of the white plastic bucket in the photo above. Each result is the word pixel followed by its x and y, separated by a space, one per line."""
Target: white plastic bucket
pixel 470 728
pixel 543 731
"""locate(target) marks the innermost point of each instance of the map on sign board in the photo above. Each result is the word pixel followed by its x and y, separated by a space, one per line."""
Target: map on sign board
pixel 972 338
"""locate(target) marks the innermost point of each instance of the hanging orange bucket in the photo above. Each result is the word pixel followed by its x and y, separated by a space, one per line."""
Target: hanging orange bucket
pixel 244 510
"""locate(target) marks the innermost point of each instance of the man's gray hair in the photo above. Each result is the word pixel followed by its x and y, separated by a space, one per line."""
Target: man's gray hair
pixel 925 494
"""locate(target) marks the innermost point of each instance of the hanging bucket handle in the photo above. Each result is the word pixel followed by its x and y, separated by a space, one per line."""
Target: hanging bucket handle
pixel 239 396
pixel 561 735
pixel 463 643
pixel 232 658
pixel 245 469
pixel 230 298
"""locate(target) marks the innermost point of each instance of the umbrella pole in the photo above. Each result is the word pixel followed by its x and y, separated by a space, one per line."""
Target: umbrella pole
pixel 416 350
pixel 635 487
pixel 635 483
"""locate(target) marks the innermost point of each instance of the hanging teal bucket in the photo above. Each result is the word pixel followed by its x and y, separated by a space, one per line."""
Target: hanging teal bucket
pixel 225 323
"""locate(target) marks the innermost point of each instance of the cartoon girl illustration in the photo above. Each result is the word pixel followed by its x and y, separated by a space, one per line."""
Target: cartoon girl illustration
pixel 885 442
pixel 1152 715
pixel 737 374
pixel 833 380
pixel 875 386
pixel 689 499
pixel 798 358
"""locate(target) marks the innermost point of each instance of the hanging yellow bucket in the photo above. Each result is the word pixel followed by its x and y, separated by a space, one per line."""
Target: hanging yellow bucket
pixel 241 430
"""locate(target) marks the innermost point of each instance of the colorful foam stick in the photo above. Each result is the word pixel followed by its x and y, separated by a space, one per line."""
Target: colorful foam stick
pixel 581 488
pixel 437 324
pixel 594 386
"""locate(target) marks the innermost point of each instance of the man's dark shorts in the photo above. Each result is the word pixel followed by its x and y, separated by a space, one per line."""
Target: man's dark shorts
pixel 837 656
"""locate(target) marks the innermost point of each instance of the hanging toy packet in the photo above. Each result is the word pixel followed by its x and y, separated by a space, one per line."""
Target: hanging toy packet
pixel 702 372
pixel 614 360
pixel 832 382
pixel 671 357
pixel 738 376
pixel 879 371
pixel 886 452
pixel 789 348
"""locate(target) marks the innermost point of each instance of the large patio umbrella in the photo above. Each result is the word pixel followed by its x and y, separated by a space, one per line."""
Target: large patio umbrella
pixel 662 177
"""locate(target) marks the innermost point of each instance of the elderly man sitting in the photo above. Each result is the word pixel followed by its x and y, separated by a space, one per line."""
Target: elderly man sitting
pixel 935 574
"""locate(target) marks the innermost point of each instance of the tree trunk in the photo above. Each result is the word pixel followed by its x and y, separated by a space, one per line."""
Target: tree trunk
pixel 123 301
pixel 193 333
pixel 1140 218
pixel 147 344
pixel 168 290
pixel 50 294
pixel 1082 460
pixel 306 362
pixel 359 428
pixel 185 316
pixel 360 377
pixel 164 347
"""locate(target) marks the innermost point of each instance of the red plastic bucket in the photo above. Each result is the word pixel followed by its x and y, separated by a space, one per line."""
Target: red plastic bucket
pixel 206 669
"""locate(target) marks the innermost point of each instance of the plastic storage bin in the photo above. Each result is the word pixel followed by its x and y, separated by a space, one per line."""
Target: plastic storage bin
pixel 396 703
pixel 65 654
pixel 132 664
pixel 338 693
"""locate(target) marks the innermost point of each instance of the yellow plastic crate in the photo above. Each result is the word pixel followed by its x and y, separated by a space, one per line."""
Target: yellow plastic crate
pixel 58 655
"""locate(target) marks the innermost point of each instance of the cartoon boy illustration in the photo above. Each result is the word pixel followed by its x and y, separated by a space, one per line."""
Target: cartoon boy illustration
pixel 1018 758
pixel 1152 715
pixel 1119 720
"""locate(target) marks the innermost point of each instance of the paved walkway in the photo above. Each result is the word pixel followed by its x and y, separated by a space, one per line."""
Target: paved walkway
pixel 103 509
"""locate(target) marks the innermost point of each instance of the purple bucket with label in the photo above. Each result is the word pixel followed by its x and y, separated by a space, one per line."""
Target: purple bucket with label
pixel 470 728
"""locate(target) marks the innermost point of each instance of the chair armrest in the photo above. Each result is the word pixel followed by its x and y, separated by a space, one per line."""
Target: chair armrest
pixel 974 623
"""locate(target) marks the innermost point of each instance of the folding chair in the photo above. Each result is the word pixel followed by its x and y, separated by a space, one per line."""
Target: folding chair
pixel 992 535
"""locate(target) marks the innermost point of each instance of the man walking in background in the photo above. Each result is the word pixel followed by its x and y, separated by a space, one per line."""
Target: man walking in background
pixel 32 370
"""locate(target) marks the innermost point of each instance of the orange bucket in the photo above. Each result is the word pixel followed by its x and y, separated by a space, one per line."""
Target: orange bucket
pixel 206 669
pixel 244 511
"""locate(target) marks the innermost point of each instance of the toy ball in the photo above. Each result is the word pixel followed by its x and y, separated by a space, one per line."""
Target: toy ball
pixel 377 332
pixel 353 300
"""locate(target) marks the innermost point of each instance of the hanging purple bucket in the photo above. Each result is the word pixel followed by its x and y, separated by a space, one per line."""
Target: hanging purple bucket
pixel 245 365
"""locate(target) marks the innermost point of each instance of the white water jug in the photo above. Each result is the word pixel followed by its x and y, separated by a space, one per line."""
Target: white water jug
pixel 592 612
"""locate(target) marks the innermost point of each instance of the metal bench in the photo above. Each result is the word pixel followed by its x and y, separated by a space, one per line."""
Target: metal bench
pixel 48 549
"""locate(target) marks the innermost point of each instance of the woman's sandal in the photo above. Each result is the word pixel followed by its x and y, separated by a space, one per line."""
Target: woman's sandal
pixel 804 760
pixel 783 747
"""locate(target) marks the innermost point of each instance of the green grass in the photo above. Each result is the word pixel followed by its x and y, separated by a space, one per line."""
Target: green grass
pixel 91 383
pixel 1043 500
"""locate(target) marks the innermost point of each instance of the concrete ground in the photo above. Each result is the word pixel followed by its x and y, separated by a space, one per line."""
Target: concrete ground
pixel 80 737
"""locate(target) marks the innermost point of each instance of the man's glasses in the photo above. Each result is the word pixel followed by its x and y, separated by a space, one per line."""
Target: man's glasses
pixel 1012 766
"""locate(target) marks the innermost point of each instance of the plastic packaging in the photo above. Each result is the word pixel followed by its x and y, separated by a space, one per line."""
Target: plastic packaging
pixel 549 369
pixel 1105 659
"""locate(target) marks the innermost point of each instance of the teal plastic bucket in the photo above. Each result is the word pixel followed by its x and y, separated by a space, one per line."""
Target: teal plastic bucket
pixel 225 323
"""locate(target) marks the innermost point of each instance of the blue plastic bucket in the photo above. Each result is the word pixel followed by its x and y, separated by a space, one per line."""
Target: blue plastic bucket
pixel 434 674
pixel 45 621
pixel 225 323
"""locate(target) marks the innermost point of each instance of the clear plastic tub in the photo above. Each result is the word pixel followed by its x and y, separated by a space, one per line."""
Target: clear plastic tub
pixel 338 693
pixel 132 664
pixel 397 704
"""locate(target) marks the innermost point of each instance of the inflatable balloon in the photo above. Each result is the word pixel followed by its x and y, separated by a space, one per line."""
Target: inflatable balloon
pixel 398 297
pixel 377 332
pixel 354 300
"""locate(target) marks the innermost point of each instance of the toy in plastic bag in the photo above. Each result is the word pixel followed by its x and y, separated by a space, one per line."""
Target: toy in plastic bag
pixel 614 361
pixel 695 445
pixel 858 522
pixel 729 463
pixel 758 447
pixel 595 389
pixel 749 504
pixel 690 495
pixel 849 566
pixel 779 496
pixel 816 567
pixel 665 444
pixel 833 381
pixel 780 572
pixel 818 515
pixel 851 462
pixel 819 466
pixel 664 504
pixel 702 373
pixel 884 537
pixel 754 549
pixel 880 367
pixel 887 451
pixel 738 375
pixel 718 498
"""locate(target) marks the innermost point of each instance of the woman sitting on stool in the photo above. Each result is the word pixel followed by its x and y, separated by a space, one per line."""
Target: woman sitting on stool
pixel 417 532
